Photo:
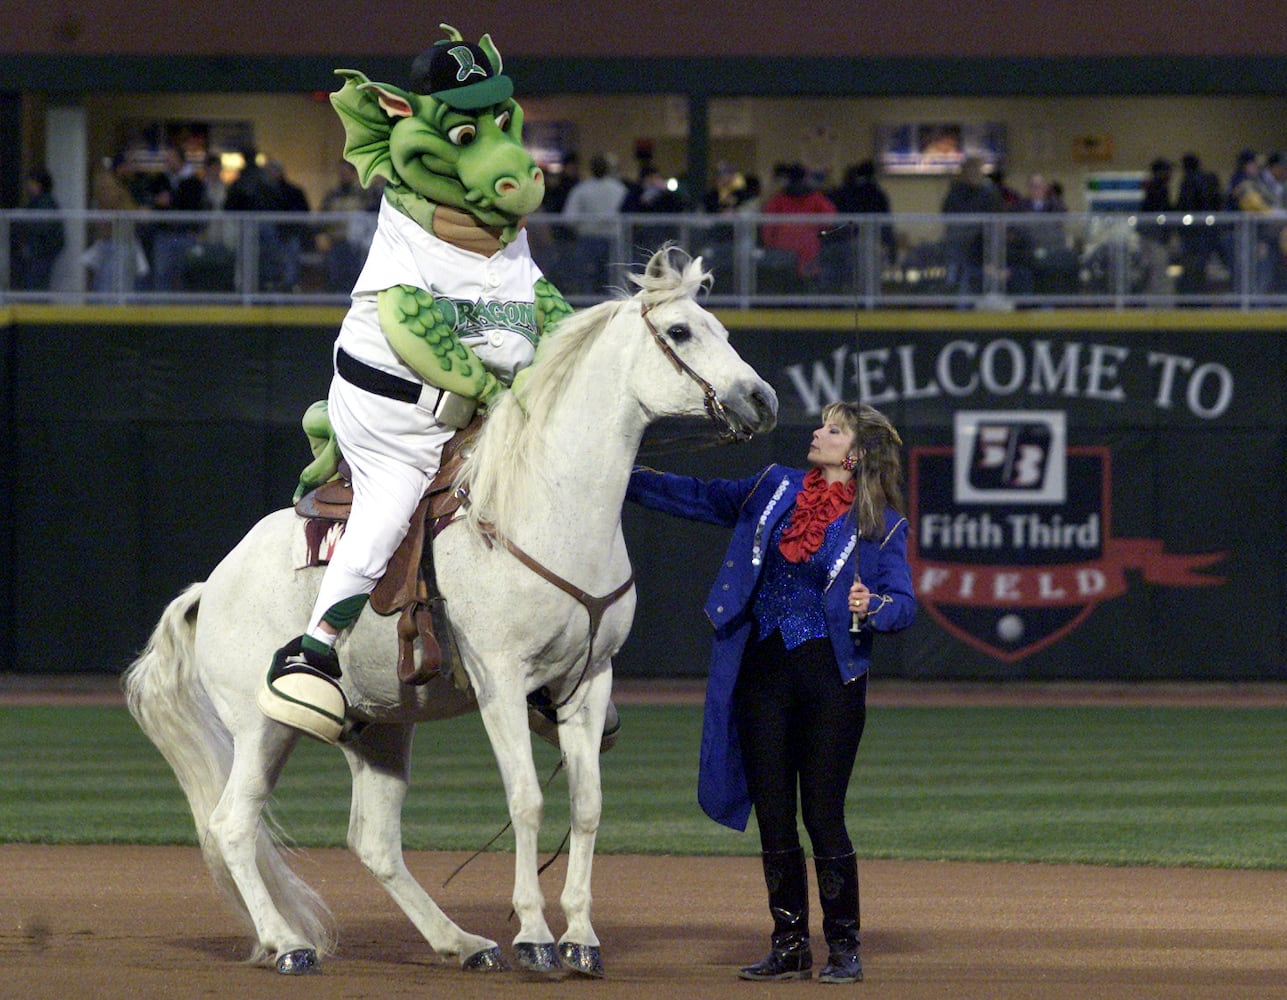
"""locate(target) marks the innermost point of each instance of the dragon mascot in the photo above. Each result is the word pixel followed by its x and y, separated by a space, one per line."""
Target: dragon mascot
pixel 445 314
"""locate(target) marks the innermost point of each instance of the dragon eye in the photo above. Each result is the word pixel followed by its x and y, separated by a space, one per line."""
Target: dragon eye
pixel 462 135
pixel 503 120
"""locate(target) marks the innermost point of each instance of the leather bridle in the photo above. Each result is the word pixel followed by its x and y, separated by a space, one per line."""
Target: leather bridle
pixel 715 409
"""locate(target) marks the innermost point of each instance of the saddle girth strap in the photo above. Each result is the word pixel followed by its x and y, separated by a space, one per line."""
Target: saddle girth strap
pixel 595 607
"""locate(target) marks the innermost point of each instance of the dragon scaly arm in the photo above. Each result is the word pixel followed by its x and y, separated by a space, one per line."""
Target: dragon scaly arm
pixel 420 331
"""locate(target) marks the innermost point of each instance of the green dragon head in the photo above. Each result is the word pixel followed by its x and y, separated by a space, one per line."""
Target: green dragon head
pixel 454 138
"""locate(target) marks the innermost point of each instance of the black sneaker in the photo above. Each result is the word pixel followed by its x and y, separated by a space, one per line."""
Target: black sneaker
pixel 295 657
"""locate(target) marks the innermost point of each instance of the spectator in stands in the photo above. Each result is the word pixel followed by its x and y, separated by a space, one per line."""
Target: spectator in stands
pixel 178 188
pixel 802 241
pixel 597 199
pixel 725 194
pixel 115 257
pixel 216 194
pixel 1011 200
pixel 343 250
pixel 752 200
pixel 653 196
pixel 1155 236
pixel 254 190
pixel 1054 263
pixel 556 248
pixel 293 235
pixel 35 245
pixel 971 193
pixel 1198 195
pixel 1249 192
pixel 1274 179
pixel 860 193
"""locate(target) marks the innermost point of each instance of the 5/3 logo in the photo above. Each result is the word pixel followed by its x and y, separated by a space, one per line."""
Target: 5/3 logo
pixel 1007 456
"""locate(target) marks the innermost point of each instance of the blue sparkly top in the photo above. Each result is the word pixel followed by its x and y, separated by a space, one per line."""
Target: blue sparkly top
pixel 790 595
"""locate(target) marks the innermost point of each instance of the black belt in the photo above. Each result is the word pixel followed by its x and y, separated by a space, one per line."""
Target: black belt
pixel 382 383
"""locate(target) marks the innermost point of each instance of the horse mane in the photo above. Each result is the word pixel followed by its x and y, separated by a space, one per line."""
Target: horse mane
pixel 509 451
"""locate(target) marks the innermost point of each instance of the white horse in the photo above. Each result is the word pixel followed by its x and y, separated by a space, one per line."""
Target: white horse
pixel 546 479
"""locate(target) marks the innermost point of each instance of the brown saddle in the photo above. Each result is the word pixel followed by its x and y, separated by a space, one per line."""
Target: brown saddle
pixel 409 586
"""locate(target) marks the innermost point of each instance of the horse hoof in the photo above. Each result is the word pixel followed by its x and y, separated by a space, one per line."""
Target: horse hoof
pixel 586 959
pixel 487 960
pixel 537 957
pixel 300 962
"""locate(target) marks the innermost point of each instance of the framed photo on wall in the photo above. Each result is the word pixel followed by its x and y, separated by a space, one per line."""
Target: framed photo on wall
pixel 937 147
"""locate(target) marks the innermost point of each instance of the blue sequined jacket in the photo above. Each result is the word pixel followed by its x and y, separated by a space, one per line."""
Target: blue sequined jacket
pixel 753 507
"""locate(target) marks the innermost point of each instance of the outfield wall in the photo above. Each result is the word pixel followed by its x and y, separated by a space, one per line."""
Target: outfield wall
pixel 1093 495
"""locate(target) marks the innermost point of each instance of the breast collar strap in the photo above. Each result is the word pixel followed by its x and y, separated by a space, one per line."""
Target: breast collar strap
pixel 595 607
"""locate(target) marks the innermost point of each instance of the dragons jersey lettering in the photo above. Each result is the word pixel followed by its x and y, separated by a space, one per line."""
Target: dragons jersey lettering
pixel 479 316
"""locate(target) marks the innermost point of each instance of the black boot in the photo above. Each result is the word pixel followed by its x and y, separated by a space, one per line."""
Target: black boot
pixel 838 893
pixel 789 956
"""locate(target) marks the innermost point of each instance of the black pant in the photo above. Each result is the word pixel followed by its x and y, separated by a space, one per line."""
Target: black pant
pixel 799 726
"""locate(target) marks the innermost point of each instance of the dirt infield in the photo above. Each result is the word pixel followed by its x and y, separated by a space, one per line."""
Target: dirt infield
pixel 146 922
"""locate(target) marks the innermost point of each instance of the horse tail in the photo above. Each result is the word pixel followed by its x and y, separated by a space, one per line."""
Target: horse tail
pixel 166 697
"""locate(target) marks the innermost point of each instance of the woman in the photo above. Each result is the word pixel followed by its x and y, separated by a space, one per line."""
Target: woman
pixel 816 566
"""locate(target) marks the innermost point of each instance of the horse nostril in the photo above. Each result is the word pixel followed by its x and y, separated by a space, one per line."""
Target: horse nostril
pixel 766 405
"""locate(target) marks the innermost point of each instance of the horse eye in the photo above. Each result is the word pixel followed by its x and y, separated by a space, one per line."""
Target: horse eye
pixel 462 135
pixel 679 333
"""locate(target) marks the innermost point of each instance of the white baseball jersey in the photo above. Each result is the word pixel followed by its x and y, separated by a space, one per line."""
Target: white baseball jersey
pixel 394 448
pixel 494 296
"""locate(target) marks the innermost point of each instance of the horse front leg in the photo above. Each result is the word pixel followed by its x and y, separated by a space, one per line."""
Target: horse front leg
pixel 580 733
pixel 380 762
pixel 505 718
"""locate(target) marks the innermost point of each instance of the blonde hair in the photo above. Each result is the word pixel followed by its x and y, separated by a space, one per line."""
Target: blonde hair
pixel 879 475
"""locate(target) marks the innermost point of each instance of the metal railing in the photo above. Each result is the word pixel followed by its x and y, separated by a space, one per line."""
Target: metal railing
pixel 1115 260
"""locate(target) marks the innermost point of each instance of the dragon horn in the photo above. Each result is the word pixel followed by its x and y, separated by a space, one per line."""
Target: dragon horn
pixel 452 33
pixel 489 47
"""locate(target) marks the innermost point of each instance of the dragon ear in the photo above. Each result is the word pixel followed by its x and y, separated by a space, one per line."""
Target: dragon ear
pixel 492 52
pixel 395 102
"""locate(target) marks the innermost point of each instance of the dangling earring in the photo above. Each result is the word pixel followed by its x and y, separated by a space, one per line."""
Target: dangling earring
pixel 850 463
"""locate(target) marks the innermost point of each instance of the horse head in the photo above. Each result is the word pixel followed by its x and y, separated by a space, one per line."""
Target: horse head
pixel 693 344
pixel 454 138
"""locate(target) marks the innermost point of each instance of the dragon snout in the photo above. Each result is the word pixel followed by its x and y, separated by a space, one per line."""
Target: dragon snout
pixel 519 194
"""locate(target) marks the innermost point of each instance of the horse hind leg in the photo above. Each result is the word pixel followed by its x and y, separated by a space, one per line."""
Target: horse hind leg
pixel 292 924
pixel 380 760
pixel 167 695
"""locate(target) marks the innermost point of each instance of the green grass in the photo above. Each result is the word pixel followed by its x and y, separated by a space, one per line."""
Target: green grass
pixel 1158 786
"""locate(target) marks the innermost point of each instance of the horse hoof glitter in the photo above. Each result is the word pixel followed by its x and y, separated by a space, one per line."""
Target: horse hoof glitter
pixel 301 962
pixel 537 957
pixel 487 960
pixel 586 959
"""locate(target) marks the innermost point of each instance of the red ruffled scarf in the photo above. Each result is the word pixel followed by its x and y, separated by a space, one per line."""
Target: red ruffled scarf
pixel 816 506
